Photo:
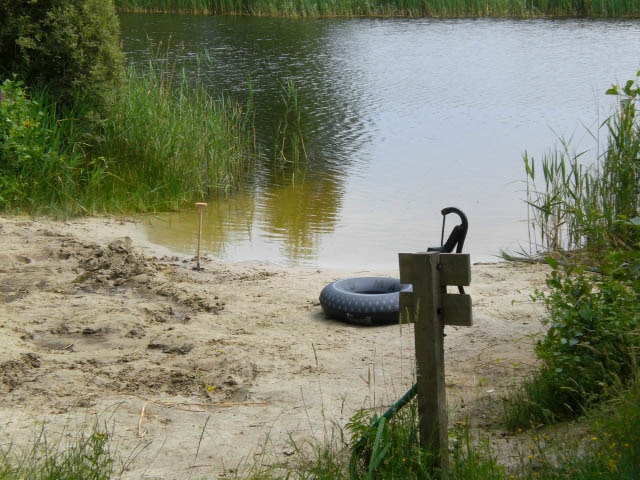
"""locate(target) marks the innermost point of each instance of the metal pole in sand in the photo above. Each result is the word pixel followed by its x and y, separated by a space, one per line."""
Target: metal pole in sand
pixel 200 206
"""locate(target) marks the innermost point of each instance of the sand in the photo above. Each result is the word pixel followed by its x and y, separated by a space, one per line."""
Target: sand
pixel 207 373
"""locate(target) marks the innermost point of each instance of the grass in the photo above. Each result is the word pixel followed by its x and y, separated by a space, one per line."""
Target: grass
pixel 585 215
pixel 607 447
pixel 164 143
pixel 86 456
pixel 576 202
pixel 391 8
pixel 289 149
pixel 169 142
pixel 43 167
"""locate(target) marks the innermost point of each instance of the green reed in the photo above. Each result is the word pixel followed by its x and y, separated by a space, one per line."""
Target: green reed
pixel 289 148
pixel 166 6
pixel 392 8
pixel 165 142
pixel 574 203
pixel 169 141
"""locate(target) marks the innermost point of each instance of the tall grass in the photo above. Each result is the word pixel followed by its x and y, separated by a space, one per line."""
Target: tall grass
pixel 43 167
pixel 164 142
pixel 609 449
pixel 289 148
pixel 590 213
pixel 404 8
pixel 168 141
pixel 165 6
pixel 577 203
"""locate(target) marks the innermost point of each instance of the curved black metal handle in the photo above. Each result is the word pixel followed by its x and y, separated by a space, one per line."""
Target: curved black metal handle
pixel 456 237
pixel 460 231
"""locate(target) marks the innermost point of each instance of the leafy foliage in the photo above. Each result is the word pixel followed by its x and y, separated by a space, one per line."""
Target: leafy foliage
pixel 40 166
pixel 158 147
pixel 594 332
pixel 593 298
pixel 69 46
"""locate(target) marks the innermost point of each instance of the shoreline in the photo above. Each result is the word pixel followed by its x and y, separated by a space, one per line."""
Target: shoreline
pixel 206 373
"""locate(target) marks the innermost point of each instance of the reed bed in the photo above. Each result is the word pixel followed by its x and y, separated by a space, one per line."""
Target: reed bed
pixel 289 149
pixel 163 144
pixel 170 142
pixel 391 8
pixel 576 202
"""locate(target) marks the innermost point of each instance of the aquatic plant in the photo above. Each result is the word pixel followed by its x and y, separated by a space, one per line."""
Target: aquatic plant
pixel 577 203
pixel 392 8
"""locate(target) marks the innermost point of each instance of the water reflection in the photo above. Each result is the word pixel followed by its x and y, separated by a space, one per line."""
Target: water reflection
pixel 287 223
pixel 238 54
pixel 298 213
pixel 401 118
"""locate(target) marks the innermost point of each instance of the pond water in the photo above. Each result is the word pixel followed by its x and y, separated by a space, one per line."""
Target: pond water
pixel 401 119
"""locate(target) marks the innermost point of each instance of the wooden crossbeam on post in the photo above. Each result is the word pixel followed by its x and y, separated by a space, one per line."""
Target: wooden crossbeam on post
pixel 430 308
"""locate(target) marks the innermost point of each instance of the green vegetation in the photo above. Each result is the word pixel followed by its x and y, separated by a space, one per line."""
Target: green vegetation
pixel 87 139
pixel 392 8
pixel 608 449
pixel 289 136
pixel 169 143
pixel 588 217
pixel 70 49
pixel 85 456
pixel 592 206
pixel 159 146
pixel 90 137
pixel 590 348
pixel 39 167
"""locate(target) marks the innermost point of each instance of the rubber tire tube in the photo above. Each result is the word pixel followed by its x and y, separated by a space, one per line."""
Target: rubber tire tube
pixel 364 300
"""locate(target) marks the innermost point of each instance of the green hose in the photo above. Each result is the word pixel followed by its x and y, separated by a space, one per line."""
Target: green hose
pixel 406 398
pixel 360 445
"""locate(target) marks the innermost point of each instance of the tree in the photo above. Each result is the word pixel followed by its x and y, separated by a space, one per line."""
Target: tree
pixel 69 47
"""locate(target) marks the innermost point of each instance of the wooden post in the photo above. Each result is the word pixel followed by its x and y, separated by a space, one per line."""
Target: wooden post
pixel 428 305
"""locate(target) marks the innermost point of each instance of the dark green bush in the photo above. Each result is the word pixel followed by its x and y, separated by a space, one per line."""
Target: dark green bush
pixel 71 47
pixel 592 342
pixel 41 167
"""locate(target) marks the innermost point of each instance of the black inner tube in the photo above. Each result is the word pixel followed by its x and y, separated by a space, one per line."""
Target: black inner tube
pixel 364 300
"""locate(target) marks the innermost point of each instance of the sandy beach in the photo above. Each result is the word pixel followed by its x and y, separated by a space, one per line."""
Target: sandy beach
pixel 205 373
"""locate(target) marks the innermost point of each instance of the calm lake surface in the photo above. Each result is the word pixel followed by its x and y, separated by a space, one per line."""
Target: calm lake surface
pixel 401 119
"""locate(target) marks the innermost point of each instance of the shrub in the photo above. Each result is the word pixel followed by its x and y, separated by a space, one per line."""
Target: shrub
pixel 592 211
pixel 41 167
pixel 69 46
pixel 591 344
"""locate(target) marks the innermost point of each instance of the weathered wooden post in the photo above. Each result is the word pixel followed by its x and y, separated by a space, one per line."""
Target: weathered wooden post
pixel 430 308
